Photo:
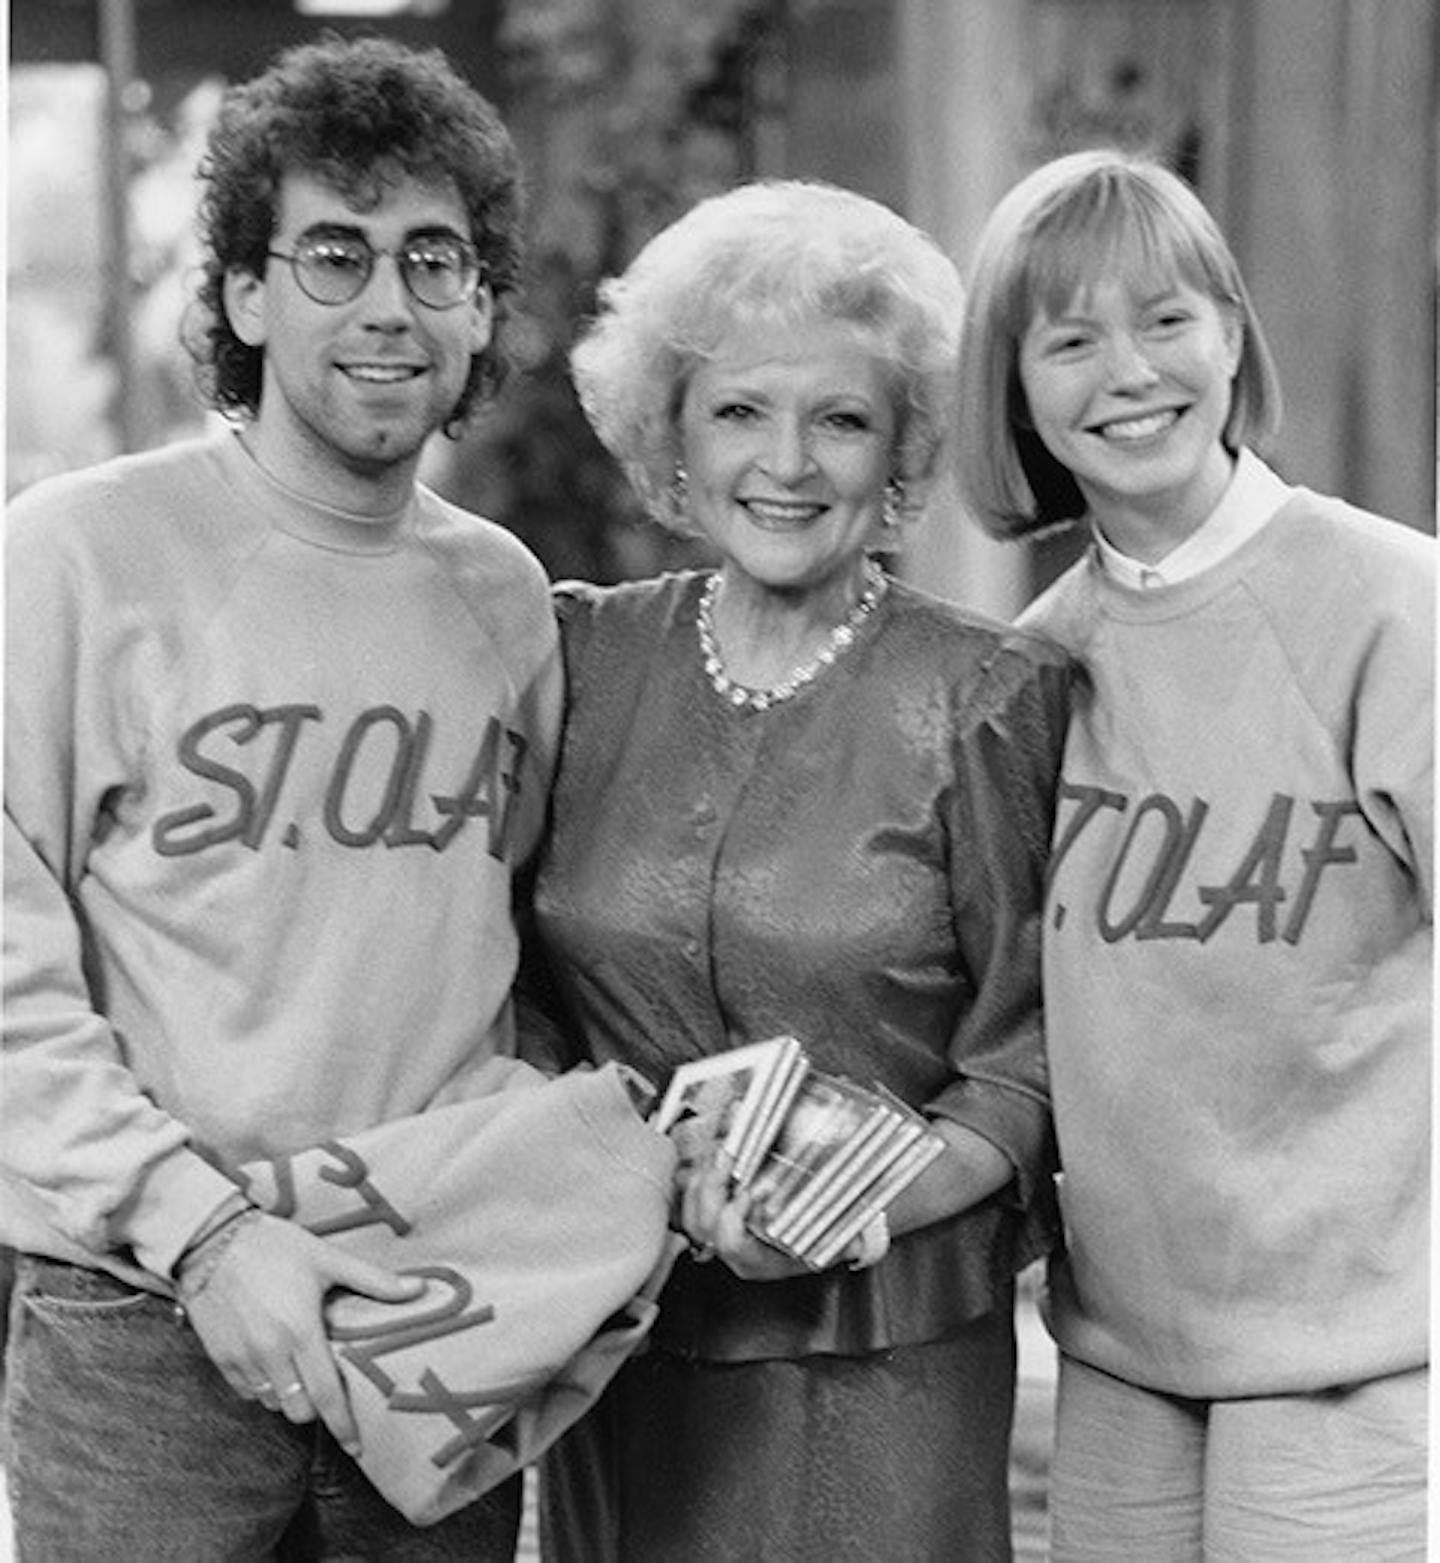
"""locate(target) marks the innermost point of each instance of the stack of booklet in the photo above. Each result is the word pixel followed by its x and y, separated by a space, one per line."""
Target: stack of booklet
pixel 821 1155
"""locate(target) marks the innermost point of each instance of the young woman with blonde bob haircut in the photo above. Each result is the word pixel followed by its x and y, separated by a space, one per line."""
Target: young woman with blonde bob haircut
pixel 799 796
pixel 1238 933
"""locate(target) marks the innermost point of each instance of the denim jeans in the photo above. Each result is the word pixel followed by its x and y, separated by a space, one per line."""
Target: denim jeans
pixel 123 1441
pixel 1332 1476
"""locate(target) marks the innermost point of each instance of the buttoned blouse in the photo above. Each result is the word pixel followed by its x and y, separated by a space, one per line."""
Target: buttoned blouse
pixel 861 866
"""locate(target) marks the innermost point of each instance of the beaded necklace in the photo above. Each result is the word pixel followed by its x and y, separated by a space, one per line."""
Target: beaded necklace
pixel 842 637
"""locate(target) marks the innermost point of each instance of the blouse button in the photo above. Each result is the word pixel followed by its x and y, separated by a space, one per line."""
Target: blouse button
pixel 692 949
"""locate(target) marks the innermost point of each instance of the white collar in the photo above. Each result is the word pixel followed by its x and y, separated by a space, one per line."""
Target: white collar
pixel 1252 496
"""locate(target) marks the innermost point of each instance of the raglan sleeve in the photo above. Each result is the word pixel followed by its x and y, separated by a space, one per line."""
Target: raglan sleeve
pixel 1393 745
pixel 93 1156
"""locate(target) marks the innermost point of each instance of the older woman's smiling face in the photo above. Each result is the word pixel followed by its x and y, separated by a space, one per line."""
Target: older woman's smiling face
pixel 788 440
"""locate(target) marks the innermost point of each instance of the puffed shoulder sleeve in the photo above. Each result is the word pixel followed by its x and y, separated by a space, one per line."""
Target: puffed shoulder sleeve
pixel 1007 749
pixel 575 604
pixel 546 1035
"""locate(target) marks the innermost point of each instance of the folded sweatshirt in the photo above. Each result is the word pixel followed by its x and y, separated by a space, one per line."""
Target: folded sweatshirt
pixel 538 1219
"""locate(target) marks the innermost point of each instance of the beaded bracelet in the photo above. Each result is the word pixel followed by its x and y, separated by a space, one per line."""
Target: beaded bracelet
pixel 200 1263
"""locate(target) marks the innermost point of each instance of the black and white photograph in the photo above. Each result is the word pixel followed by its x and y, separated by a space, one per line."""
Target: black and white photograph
pixel 718 743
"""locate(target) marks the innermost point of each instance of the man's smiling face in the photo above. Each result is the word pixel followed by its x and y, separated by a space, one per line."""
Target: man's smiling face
pixel 352 391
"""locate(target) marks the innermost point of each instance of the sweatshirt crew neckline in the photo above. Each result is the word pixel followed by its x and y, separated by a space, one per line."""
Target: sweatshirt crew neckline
pixel 310 520
pixel 1153 604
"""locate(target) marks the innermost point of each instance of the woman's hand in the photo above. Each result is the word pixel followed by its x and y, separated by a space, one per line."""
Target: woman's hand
pixel 713 1218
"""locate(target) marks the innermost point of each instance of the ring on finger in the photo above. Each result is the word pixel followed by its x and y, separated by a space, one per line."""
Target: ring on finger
pixel 297 1388
pixel 261 1388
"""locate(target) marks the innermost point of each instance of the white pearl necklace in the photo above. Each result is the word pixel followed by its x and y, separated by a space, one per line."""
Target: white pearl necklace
pixel 842 637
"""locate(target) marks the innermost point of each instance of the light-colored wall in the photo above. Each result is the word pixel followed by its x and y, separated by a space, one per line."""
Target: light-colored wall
pixel 1331 198
pixel 962 91
pixel 1314 126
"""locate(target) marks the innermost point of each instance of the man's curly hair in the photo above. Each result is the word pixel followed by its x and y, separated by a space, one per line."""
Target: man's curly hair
pixel 354 113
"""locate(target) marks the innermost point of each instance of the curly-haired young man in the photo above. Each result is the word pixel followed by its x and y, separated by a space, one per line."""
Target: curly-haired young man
pixel 279 725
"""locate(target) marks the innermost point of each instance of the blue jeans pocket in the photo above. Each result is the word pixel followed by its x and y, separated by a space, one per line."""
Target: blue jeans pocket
pixel 50 1286
pixel 124 1440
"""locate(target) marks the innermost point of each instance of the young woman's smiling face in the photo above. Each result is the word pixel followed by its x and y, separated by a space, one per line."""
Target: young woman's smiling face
pixel 1129 386
pixel 787 441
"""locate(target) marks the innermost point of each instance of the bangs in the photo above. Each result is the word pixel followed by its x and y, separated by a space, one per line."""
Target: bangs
pixel 1115 231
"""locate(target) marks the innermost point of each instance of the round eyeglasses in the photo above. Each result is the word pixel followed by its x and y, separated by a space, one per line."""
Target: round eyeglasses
pixel 439 270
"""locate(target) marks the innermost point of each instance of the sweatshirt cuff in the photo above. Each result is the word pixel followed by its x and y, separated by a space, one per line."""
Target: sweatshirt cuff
pixel 181 1194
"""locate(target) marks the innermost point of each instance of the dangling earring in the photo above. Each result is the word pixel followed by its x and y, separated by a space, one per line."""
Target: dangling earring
pixel 679 493
pixel 892 512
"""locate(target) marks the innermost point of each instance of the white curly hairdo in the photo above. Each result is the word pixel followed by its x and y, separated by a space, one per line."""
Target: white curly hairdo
pixel 774 254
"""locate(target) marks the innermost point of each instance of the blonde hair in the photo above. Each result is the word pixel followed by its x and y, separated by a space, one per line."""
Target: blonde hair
pixel 1078 218
pixel 779 254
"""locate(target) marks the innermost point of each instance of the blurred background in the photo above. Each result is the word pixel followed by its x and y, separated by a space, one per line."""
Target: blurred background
pixel 1309 126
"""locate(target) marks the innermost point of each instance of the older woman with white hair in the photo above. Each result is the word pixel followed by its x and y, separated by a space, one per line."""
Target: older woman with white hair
pixel 797 795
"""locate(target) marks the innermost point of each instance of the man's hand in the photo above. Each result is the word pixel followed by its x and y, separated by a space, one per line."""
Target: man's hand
pixel 259 1315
